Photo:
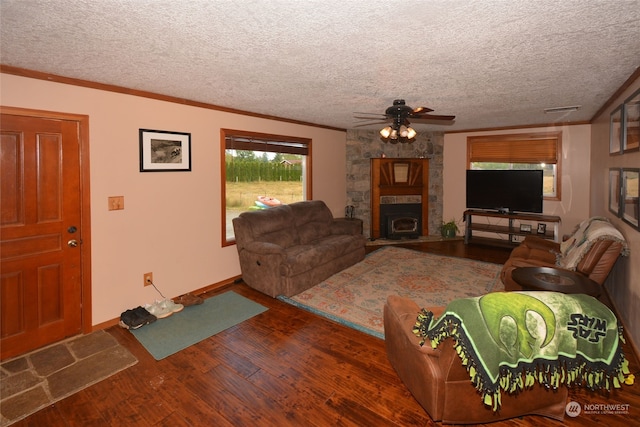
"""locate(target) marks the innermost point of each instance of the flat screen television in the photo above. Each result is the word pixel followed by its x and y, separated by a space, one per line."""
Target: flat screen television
pixel 505 190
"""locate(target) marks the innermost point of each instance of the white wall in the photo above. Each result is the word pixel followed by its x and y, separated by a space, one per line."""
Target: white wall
pixel 574 204
pixel 171 224
pixel 623 284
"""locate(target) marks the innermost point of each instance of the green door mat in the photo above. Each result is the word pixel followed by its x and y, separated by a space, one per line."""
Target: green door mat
pixel 166 336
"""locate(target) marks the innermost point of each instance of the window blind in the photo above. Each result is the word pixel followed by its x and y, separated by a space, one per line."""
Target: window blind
pixel 267 145
pixel 514 148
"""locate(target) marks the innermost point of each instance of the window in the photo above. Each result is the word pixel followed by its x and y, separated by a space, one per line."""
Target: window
pixel 520 151
pixel 260 171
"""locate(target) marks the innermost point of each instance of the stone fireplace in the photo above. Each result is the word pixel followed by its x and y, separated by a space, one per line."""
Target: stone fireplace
pixel 363 145
pixel 399 193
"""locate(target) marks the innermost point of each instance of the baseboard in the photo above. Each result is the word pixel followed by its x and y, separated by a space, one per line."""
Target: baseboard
pixel 213 287
pixel 217 286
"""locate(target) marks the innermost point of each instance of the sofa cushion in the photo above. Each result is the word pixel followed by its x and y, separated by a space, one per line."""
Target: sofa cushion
pixel 303 258
pixel 528 253
pixel 272 228
pixel 312 219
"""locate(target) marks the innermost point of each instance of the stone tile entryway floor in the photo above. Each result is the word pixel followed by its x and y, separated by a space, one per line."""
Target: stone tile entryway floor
pixel 40 378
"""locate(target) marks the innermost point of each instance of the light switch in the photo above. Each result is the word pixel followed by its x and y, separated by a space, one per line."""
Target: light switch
pixel 116 203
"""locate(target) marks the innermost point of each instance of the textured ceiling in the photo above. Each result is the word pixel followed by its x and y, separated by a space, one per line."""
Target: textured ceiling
pixel 491 63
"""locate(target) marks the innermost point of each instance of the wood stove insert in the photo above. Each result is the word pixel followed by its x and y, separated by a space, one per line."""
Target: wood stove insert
pixel 399 179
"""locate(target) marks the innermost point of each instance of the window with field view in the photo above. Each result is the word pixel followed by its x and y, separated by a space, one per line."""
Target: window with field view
pixel 261 171
pixel 540 150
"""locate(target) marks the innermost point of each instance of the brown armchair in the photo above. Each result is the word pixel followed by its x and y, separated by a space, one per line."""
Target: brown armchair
pixel 440 383
pixel 591 250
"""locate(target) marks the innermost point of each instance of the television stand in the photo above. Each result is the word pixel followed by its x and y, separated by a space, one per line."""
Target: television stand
pixel 508 229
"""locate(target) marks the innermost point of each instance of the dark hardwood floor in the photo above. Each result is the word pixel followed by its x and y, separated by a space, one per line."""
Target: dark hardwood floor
pixel 284 367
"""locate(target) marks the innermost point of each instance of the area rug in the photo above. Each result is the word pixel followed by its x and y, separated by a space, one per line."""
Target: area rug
pixel 193 324
pixel 38 379
pixel 356 296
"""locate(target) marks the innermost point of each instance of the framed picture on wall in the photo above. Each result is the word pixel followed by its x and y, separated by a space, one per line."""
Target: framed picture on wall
pixel 630 206
pixel 164 151
pixel 616 131
pixel 614 190
pixel 631 115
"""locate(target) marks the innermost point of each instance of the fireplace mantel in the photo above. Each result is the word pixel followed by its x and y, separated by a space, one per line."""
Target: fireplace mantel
pixel 399 177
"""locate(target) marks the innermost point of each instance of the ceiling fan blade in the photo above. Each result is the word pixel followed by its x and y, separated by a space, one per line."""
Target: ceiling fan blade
pixel 421 110
pixel 372 117
pixel 432 117
pixel 360 113
pixel 373 120
pixel 378 122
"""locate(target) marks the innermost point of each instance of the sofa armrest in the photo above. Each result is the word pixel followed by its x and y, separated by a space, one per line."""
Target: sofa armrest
pixel 405 314
pixel 261 263
pixel 422 369
pixel 346 226
pixel 535 242
pixel 598 262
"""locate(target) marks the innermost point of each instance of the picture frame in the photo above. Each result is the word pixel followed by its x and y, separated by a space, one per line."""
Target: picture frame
pixel 542 228
pixel 400 173
pixel 631 128
pixel 164 151
pixel 525 228
pixel 616 131
pixel 630 197
pixel 615 190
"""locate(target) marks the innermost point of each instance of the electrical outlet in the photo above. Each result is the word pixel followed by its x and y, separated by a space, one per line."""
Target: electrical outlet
pixel 116 203
pixel 148 279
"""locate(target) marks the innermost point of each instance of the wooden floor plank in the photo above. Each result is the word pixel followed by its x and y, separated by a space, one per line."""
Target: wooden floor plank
pixel 49 416
pixel 78 410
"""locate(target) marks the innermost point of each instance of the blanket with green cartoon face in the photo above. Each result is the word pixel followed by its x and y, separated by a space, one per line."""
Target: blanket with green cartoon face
pixel 509 340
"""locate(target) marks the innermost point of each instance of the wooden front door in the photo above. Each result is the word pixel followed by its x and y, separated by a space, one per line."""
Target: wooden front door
pixel 41 290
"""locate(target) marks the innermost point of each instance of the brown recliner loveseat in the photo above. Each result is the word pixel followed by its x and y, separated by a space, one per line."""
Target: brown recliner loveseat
pixel 287 249
pixel 591 249
pixel 439 382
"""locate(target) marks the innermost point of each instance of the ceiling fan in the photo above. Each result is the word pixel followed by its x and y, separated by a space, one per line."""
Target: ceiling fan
pixel 400 113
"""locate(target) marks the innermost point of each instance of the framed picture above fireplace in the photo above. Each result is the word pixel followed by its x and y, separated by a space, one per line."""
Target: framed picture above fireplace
pixel 400 173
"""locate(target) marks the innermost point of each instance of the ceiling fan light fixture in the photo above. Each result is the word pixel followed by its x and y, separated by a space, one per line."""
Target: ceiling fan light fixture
pixel 395 134
pixel 400 114
pixel 386 132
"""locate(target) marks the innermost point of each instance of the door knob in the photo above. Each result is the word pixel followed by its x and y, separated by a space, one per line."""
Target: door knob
pixel 72 243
